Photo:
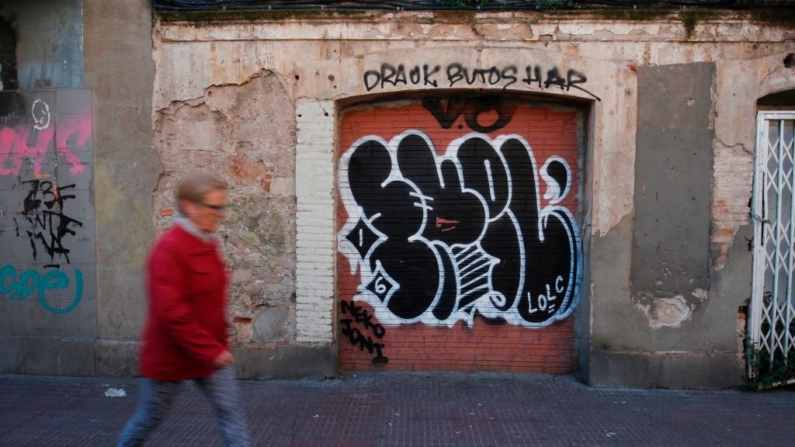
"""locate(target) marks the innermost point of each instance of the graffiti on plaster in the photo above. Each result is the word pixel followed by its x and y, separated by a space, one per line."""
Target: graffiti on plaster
pixel 45 138
pixel 439 239
pixel 356 337
pixel 19 287
pixel 47 222
pixel 456 74
pixel 389 74
pixel 41 114
pixel 23 142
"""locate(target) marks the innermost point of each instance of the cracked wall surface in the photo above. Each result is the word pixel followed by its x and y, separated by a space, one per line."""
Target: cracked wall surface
pixel 245 134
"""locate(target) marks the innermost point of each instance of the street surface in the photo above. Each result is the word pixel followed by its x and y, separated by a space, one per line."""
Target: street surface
pixel 405 409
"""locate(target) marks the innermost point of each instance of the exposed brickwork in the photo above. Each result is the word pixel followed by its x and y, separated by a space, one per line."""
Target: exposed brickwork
pixel 731 198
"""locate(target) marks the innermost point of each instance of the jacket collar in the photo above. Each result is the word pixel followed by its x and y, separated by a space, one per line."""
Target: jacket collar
pixel 191 228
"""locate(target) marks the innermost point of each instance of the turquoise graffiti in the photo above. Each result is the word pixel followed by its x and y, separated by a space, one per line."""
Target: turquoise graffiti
pixel 20 287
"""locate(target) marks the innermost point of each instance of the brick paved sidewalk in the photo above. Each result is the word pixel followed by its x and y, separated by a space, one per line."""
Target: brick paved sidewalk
pixel 406 409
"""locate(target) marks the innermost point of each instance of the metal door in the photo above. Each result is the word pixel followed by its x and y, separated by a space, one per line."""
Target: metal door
pixel 772 319
pixel 457 238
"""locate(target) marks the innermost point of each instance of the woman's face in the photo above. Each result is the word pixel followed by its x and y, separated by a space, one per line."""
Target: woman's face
pixel 207 214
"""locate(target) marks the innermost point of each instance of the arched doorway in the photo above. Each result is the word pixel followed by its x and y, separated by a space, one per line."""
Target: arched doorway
pixel 458 234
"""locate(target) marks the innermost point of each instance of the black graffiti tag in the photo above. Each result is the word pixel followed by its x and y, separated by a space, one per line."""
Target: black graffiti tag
pixel 442 238
pixel 389 74
pixel 43 209
pixel 492 76
pixel 355 336
pixel 447 112
pixel 456 73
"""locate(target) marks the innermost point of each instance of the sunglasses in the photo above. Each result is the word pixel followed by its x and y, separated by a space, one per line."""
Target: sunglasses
pixel 214 207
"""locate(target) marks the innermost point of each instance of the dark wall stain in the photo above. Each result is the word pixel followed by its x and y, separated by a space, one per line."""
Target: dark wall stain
pixel 673 186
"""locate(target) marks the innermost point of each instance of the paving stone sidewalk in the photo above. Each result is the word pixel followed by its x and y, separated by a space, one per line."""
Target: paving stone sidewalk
pixel 405 409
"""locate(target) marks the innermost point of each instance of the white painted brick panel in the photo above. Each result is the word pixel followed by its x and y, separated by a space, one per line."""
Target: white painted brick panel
pixel 315 205
pixel 316 239
pixel 317 312
pixel 311 338
pixel 311 221
pixel 315 293
pixel 322 240
pixel 315 299
pixel 320 224
pixel 314 220
pixel 316 233
pixel 314 325
pixel 314 215
pixel 314 251
pixel 318 285
pixel 314 230
pixel 315 304
pixel 313 238
pixel 316 264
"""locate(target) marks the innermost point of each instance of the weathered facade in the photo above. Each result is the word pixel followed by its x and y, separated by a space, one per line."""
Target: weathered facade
pixel 525 191
pixel 76 176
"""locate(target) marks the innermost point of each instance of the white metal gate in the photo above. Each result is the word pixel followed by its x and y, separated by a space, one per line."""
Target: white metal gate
pixel 772 311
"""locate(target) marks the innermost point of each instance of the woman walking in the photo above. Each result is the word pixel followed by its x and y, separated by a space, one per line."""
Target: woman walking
pixel 186 332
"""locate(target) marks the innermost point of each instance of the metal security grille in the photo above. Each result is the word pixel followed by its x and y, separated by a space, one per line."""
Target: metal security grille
pixel 772 324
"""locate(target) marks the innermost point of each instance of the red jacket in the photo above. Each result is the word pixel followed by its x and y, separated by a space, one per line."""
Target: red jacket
pixel 186 325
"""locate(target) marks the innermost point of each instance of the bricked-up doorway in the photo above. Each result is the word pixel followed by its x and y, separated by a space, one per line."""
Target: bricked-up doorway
pixel 458 235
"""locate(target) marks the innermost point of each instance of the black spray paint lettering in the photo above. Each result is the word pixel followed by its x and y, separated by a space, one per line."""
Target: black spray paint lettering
pixel 573 79
pixel 389 74
pixel 492 76
pixel 457 73
pixel 460 234
pixel 49 224
pixel 447 112
pixel 355 336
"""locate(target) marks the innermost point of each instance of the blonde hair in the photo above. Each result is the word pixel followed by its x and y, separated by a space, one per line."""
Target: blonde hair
pixel 196 185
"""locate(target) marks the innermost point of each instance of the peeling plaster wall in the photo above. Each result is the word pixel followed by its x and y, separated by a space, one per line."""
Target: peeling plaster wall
pixel 256 102
pixel 246 134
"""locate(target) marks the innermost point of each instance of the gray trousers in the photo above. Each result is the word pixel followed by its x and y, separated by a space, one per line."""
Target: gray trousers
pixel 155 401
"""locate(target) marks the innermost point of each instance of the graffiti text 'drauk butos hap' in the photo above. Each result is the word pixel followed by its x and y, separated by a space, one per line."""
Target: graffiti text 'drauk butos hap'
pixel 458 75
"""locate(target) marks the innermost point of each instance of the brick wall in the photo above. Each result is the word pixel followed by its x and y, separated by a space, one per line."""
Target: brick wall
pixel 732 193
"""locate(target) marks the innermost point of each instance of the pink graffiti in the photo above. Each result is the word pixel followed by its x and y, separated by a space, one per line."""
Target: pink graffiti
pixel 22 143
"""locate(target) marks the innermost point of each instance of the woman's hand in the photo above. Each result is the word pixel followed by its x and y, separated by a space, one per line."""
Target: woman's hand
pixel 224 359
